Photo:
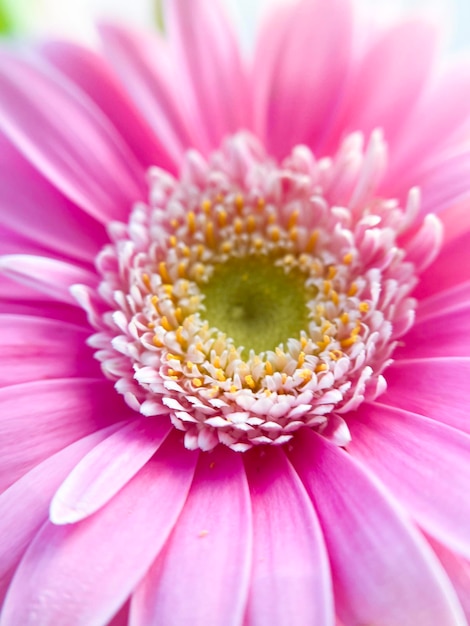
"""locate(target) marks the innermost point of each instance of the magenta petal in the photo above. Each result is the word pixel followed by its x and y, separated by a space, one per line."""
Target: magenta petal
pixel 96 563
pixel 383 570
pixel 78 150
pixel 202 576
pixel 208 61
pixel 106 469
pixel 42 417
pixel 39 348
pixel 444 302
pixel 290 579
pixel 24 506
pixel 50 276
pixel 425 465
pixel 434 387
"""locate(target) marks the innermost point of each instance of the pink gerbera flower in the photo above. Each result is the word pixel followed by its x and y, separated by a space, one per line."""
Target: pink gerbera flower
pixel 234 319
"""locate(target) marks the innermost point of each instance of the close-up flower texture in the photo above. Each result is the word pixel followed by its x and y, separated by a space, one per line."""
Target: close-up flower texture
pixel 235 323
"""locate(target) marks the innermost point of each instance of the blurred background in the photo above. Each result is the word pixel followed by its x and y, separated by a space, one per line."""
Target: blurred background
pixel 74 18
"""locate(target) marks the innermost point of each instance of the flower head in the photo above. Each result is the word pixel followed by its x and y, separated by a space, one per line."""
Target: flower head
pixel 234 310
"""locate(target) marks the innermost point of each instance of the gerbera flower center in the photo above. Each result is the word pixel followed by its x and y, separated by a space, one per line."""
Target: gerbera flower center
pixel 257 303
pixel 250 299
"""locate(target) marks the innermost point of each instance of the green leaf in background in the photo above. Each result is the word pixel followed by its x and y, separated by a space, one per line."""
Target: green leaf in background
pixel 13 16
pixel 158 15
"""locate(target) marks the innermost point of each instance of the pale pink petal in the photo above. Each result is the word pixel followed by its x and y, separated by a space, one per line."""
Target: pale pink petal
pixel 107 468
pixel 208 62
pixel 435 387
pixel 24 506
pixel 40 213
pixel 386 83
pixel 78 150
pixel 438 336
pixel 383 570
pixel 290 579
pixel 50 276
pixel 96 563
pixel 458 570
pixel 425 465
pixel 445 189
pixel 430 125
pixel 53 413
pixel 35 348
pixel 300 65
pixel 150 84
pixel 91 73
pixel 202 576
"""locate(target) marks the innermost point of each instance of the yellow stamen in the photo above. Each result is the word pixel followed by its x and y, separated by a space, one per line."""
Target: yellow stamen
pixel 146 281
pixel 165 323
pixel 164 272
pixel 250 381
pixel 206 206
pixel 353 290
pixel 191 221
pixel 312 241
pixel 238 225
pixel 250 224
pixel 210 239
pixel 239 202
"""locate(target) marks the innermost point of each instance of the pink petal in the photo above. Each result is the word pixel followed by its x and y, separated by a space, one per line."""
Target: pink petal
pixel 445 190
pixel 150 84
pixel 383 570
pixel 290 579
pixel 443 335
pixel 41 418
pixel 51 276
pixel 107 468
pixel 444 302
pixel 431 123
pixel 40 213
pixel 450 268
pixel 24 506
pixel 95 78
pixel 208 61
pixel 202 576
pixel 96 563
pixel 425 465
pixel 300 65
pixel 35 348
pixel 435 387
pixel 386 83
pixel 78 150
